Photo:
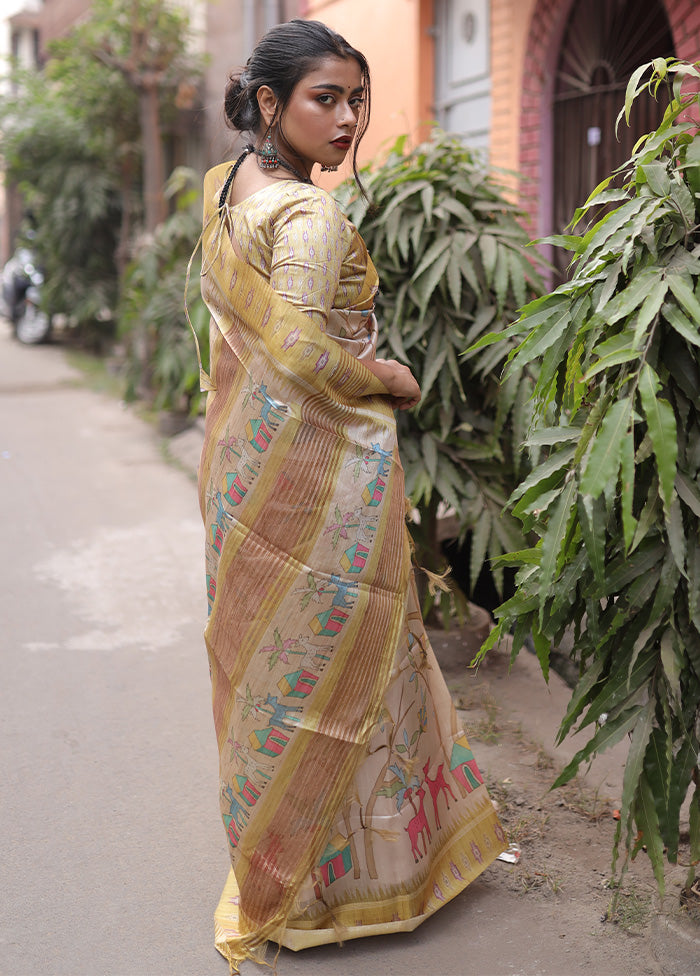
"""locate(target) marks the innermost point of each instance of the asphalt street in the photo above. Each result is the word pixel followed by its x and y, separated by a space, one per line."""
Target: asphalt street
pixel 113 854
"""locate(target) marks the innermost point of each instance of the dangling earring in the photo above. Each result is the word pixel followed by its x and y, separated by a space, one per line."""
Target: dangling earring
pixel 267 156
pixel 329 169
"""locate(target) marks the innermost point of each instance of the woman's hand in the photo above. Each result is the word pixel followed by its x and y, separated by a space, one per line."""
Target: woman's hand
pixel 399 381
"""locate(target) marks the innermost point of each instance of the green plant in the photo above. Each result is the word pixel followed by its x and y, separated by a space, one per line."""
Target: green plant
pixel 449 251
pixel 615 505
pixel 57 162
pixel 151 316
pixel 82 142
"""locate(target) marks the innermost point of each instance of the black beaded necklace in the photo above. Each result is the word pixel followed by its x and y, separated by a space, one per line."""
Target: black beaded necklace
pixel 250 148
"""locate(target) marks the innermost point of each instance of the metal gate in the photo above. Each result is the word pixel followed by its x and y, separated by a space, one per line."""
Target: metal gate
pixel 604 41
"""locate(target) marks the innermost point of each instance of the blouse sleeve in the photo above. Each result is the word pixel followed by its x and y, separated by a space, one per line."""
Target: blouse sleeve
pixel 307 253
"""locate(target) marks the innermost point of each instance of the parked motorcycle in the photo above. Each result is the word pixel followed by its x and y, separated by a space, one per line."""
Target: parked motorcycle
pixel 21 294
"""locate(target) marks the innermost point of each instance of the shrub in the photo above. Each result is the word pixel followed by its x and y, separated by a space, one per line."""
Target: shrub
pixel 450 255
pixel 615 506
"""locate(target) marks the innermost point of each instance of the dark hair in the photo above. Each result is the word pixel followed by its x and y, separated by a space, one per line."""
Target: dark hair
pixel 284 56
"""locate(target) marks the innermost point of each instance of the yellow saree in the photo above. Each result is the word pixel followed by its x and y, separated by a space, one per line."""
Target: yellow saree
pixel 350 797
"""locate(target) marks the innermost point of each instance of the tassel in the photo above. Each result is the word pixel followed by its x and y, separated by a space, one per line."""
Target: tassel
pixel 437 581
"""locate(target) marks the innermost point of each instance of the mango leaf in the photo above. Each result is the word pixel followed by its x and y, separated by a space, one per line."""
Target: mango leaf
pixel 539 340
pixel 426 284
pixel 592 521
pixel 649 310
pixel 431 255
pixel 621 686
pixel 581 695
pixel 685 295
pixel 607 735
pixel 683 198
pixel 480 537
pixel 623 571
pixel 683 326
pixel 605 456
pixel 430 454
pixel 632 91
pixel 543 647
pixel 629 523
pixel 669 778
pixel 552 435
pixel 553 539
pixel 662 429
pixel 617 358
pixel 676 534
pixel 648 823
pixel 688 492
pixel 553 465
pixel 454 281
pixel 489 253
pixel 657 177
pixel 634 765
pixel 628 299
pixel 501 275
pixel 672 664
pixel 427 196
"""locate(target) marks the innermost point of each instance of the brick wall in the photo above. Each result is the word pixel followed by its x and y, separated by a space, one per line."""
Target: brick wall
pixel 544 36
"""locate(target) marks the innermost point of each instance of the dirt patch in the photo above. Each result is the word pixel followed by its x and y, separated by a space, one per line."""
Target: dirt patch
pixel 565 836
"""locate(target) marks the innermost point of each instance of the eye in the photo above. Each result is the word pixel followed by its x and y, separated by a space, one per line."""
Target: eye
pixel 356 101
pixel 325 99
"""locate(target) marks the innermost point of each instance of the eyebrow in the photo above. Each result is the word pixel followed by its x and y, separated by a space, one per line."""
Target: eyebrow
pixel 337 88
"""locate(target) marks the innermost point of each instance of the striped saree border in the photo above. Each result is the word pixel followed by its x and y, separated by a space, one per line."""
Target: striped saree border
pixel 336 396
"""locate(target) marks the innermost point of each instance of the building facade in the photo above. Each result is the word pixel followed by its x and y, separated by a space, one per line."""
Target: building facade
pixel 536 83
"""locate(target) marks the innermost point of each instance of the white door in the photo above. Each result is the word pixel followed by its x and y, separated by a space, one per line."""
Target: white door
pixel 462 69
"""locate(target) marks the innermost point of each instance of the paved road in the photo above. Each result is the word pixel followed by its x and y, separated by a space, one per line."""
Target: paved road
pixel 112 850
pixel 112 854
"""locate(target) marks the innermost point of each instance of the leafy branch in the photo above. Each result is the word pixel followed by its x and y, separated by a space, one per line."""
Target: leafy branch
pixel 613 504
pixel 452 265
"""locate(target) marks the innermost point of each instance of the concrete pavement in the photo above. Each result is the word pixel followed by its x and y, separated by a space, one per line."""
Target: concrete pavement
pixel 113 853
pixel 112 850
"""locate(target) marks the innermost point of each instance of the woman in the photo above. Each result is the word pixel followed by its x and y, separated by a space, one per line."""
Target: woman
pixel 351 800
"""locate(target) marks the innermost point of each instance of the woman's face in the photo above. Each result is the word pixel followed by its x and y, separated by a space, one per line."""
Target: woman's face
pixel 320 119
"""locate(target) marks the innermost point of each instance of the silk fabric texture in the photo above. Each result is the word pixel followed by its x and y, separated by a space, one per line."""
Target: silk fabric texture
pixel 332 719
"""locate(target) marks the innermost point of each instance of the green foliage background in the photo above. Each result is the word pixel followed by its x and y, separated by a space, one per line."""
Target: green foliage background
pixel 615 505
pixel 71 143
pixel 160 356
pixel 451 261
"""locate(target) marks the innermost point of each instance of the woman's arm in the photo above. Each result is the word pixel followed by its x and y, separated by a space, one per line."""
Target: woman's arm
pixel 307 256
pixel 399 381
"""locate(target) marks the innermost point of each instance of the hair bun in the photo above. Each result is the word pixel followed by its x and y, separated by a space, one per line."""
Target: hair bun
pixel 240 108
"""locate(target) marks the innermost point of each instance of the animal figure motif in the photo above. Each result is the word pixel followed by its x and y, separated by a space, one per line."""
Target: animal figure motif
pixel 384 458
pixel 363 525
pixel 236 809
pixel 246 464
pixel 437 786
pixel 419 827
pixel 247 764
pixel 316 655
pixel 221 513
pixel 281 714
pixel 271 411
pixel 343 594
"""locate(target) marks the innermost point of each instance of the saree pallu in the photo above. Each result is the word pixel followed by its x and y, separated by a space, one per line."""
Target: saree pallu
pixel 332 720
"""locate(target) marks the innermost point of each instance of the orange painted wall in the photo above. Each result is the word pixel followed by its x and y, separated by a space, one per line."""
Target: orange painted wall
pixel 392 34
pixel 395 37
